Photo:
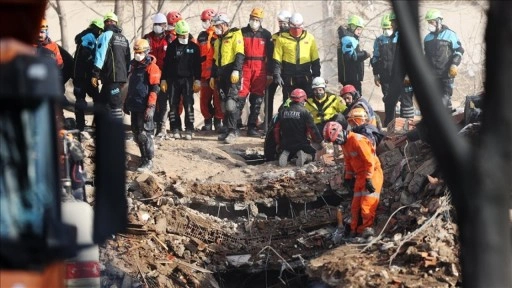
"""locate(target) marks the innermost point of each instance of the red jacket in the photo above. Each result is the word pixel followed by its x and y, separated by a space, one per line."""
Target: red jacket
pixel 258 47
pixel 205 40
pixel 158 44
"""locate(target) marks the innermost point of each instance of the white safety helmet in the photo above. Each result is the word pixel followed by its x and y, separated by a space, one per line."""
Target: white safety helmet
pixel 284 16
pixel 296 19
pixel 318 82
pixel 159 18
pixel 220 18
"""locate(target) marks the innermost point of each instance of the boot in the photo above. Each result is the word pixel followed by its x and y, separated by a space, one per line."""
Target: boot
pixel 231 137
pixel 161 131
pixel 176 134
pixel 252 132
pixel 283 158
pixel 217 123
pixel 145 165
pixel 223 136
pixel 207 125
pixel 303 158
pixel 188 135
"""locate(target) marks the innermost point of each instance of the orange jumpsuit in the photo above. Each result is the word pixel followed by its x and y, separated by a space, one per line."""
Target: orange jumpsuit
pixel 205 41
pixel 362 162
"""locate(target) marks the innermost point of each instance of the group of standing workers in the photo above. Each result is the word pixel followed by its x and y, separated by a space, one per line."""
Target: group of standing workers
pixel 227 65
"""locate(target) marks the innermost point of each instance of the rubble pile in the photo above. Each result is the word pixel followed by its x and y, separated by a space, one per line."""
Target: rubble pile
pixel 185 233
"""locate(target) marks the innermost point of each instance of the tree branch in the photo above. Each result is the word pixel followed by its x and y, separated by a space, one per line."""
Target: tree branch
pixel 90 8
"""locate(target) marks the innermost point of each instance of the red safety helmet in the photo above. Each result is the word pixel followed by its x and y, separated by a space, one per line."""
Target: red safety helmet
pixel 207 14
pixel 334 133
pixel 173 17
pixel 298 95
pixel 347 89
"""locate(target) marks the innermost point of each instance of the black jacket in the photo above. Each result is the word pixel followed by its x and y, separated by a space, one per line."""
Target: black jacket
pixel 295 124
pixel 182 61
pixel 112 56
pixel 350 57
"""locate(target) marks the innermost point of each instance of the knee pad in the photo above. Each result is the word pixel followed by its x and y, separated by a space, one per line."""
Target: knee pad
pixel 231 105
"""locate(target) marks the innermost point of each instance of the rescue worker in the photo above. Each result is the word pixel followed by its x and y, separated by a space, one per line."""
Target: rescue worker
pixel 293 131
pixel 296 58
pixel 363 175
pixel 257 67
pixel 209 100
pixel 182 72
pixel 111 64
pixel 358 122
pixel 387 71
pixel 158 40
pixel 226 73
pixel 140 101
pixel 443 51
pixel 350 56
pixel 283 20
pixel 325 106
pixel 353 99
pixel 45 41
pixel 86 42
pixel 172 18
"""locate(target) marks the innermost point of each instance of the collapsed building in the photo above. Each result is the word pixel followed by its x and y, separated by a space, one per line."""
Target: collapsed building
pixel 278 231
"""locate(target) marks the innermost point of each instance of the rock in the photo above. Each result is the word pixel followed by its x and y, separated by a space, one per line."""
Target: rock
pixel 161 225
pixel 420 175
pixel 384 274
pixel 406 198
pixel 148 185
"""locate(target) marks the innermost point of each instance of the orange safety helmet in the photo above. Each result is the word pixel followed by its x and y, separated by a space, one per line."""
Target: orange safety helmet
pixel 357 116
pixel 173 17
pixel 257 12
pixel 334 133
pixel 207 14
pixel 298 95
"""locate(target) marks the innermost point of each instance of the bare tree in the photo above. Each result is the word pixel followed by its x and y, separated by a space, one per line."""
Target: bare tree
pixel 56 5
pixel 119 11
pixel 146 9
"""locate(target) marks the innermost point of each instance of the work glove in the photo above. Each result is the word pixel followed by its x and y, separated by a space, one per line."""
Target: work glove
pixel 369 185
pixel 269 79
pixel 235 76
pixel 278 80
pixel 349 184
pixel 212 83
pixel 163 86
pixel 196 87
pixel 453 71
pixel 94 82
pixel 376 80
pixel 148 114
pixel 407 82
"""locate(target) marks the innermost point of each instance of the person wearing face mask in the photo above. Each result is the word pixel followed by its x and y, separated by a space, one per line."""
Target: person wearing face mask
pixel 228 59
pixel 296 60
pixel 158 40
pixel 82 71
pixel 257 68
pixel 325 106
pixel 111 63
pixel 141 98
pixel 283 20
pixel 443 51
pixel 350 56
pixel 209 99
pixel 182 70
pixel 44 41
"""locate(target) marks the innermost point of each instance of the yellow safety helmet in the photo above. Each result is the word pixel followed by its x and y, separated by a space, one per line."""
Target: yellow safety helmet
pixel 141 45
pixel 110 16
pixel 257 12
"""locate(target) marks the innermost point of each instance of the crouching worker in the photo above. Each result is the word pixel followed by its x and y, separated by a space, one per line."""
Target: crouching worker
pixel 363 175
pixel 293 129
pixel 141 100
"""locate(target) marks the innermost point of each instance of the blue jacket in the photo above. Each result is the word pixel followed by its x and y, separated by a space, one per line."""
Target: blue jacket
pixel 442 49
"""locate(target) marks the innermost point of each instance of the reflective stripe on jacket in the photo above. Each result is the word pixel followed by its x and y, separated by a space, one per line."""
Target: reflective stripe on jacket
pixel 325 109
pixel 206 40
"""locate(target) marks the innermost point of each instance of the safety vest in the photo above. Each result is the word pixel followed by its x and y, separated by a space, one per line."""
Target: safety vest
pixel 325 109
